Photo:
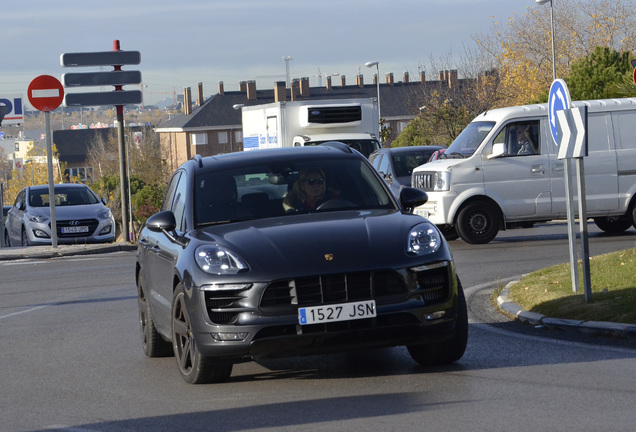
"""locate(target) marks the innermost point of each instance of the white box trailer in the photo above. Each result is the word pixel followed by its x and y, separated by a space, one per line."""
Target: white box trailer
pixel 503 171
pixel 300 123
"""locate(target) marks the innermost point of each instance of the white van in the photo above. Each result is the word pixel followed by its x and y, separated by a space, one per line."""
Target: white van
pixel 503 171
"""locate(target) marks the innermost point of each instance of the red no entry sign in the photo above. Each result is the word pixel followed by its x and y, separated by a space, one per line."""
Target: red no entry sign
pixel 45 93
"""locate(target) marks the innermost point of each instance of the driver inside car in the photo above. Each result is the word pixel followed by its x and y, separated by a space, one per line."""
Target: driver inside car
pixel 308 192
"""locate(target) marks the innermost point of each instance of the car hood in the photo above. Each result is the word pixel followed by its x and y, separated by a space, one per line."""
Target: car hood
pixel 321 243
pixel 70 212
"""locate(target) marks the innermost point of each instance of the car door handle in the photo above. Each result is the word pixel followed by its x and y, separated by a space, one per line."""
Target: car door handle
pixel 538 169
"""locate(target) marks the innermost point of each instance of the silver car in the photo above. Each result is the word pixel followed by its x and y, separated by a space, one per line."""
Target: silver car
pixel 81 217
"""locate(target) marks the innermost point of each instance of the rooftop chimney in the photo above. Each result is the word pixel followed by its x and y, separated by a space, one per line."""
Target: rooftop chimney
pixel 243 86
pixel 221 89
pixel 360 80
pixel 375 79
pixel 304 87
pixel 329 82
pixel 406 77
pixel 251 90
pixel 422 76
pixel 388 79
pixel 451 75
pixel 280 91
pixel 187 101
pixel 295 89
pixel 200 94
pixel 343 81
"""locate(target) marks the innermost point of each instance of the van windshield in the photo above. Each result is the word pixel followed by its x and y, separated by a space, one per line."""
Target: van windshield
pixel 467 142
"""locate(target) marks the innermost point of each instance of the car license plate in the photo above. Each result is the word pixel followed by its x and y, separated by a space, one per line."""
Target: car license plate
pixel 337 312
pixel 74 229
pixel 421 212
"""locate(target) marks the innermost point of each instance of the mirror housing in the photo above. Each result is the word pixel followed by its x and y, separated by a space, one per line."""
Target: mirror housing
pixel 412 197
pixel 165 223
pixel 498 150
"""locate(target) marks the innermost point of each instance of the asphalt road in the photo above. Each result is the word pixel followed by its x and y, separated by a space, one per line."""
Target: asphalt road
pixel 71 360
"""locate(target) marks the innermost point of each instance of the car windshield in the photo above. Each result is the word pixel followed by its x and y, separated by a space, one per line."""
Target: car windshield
pixel 286 188
pixel 404 163
pixel 469 140
pixel 64 196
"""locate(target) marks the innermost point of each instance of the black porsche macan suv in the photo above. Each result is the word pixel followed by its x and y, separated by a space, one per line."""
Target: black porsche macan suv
pixel 230 270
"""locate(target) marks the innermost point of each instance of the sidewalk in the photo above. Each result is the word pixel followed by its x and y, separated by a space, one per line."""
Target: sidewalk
pixel 587 327
pixel 43 252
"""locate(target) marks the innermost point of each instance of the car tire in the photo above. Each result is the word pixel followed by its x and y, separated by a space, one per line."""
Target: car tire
pixel 450 350
pixel 25 238
pixel 613 225
pixel 449 232
pixel 477 223
pixel 193 366
pixel 153 344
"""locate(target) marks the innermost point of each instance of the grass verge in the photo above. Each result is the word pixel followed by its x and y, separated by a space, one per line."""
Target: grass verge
pixel 613 280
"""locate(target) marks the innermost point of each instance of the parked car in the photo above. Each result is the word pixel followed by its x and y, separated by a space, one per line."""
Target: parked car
pixel 80 215
pixel 396 164
pixel 232 270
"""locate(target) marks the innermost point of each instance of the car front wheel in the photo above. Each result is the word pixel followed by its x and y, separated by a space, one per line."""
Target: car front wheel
pixel 25 238
pixel 477 223
pixel 194 367
pixel 448 351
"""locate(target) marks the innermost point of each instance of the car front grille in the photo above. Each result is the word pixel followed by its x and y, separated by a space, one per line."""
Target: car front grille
pixel 422 180
pixel 288 295
pixel 90 223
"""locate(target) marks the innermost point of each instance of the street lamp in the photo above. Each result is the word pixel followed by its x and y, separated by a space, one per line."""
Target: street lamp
pixel 542 2
pixel 370 64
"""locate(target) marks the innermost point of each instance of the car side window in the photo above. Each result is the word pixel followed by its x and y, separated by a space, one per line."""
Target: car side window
pixel 179 203
pixel 384 165
pixel 167 201
pixel 519 138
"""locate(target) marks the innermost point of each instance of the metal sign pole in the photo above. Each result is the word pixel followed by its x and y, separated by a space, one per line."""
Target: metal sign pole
pixel 49 163
pixel 574 268
pixel 585 258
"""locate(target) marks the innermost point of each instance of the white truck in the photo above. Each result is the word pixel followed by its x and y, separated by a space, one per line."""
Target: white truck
pixel 503 171
pixel 300 123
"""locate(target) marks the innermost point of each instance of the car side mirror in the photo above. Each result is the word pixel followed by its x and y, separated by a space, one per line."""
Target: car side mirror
pixel 412 197
pixel 498 149
pixel 165 223
pixel 20 206
pixel 103 200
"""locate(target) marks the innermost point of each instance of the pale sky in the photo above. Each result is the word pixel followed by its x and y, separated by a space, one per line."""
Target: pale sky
pixel 186 42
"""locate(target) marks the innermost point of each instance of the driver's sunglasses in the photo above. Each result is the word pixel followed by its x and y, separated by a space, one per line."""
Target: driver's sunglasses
pixel 313 181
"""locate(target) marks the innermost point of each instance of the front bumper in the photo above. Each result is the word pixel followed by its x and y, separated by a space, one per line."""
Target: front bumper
pixel 425 312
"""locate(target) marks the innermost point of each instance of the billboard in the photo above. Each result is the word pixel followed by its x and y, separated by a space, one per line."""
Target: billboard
pixel 15 113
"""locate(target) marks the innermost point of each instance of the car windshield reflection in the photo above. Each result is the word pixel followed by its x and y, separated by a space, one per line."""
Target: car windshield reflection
pixel 257 192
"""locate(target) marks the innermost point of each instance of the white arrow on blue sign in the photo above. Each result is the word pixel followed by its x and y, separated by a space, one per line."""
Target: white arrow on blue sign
pixel 572 125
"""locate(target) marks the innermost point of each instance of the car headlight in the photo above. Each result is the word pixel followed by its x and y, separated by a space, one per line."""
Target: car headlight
pixel 424 239
pixel 37 218
pixel 105 214
pixel 441 182
pixel 218 260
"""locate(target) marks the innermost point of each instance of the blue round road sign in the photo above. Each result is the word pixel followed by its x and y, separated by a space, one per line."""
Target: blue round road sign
pixel 559 99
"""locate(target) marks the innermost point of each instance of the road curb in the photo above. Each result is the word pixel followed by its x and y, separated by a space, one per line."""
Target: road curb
pixel 43 252
pixel 586 327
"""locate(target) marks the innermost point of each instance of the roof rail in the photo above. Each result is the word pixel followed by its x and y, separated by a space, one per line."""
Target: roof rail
pixel 198 159
pixel 338 145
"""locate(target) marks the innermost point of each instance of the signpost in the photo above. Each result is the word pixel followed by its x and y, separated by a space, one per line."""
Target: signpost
pixel 46 94
pixel 568 126
pixel 119 97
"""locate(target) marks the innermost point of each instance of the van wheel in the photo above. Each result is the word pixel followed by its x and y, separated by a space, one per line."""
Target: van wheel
pixel 613 225
pixel 477 223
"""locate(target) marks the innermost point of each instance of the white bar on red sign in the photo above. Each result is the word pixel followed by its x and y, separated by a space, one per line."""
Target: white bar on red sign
pixel 45 93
